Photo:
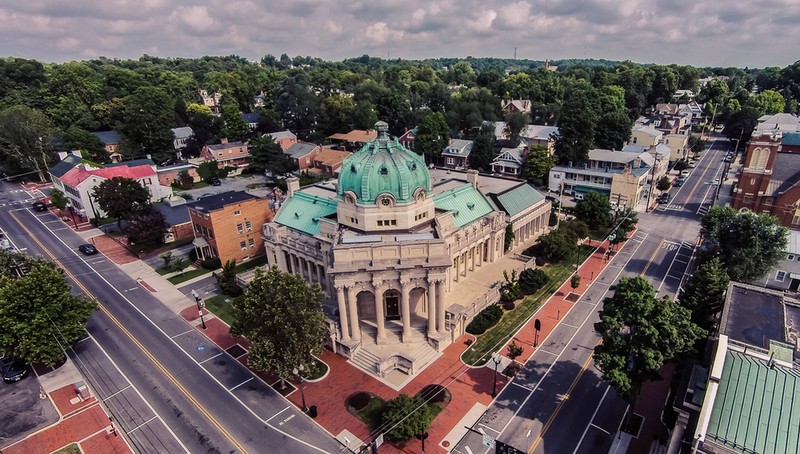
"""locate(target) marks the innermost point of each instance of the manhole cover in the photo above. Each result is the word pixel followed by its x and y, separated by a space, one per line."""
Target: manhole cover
pixel 236 350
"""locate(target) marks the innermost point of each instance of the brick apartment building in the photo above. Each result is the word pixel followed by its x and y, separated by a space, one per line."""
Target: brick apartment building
pixel 228 226
pixel 228 154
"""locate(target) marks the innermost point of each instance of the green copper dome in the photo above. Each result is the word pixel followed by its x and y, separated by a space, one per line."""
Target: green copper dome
pixel 383 166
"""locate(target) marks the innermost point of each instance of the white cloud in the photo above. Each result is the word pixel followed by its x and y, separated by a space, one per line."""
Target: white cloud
pixel 196 18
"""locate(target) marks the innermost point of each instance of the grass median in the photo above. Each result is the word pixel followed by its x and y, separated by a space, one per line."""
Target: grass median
pixel 481 350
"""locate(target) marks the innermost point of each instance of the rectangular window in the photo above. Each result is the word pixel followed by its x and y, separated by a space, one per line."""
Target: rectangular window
pixel 394 221
pixel 380 223
pixel 790 257
pixel 780 276
pixel 243 245
pixel 248 225
pixel 237 213
pixel 251 243
pixel 239 228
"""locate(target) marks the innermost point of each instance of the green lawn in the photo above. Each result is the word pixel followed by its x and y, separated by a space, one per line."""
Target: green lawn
pixel 220 305
pixel 487 343
pixel 371 414
pixel 183 277
pixel 250 264
pixel 69 449
pixel 318 370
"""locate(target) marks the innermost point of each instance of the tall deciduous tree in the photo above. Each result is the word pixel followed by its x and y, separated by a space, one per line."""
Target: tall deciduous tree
pixel 704 294
pixel 281 316
pixel 594 209
pixel 147 226
pixel 58 199
pixel 432 136
pixel 233 126
pixel 577 124
pixel 268 155
pixel 38 312
pixel 481 156
pixel 640 332
pixel 121 197
pixel 747 244
pixel 147 124
pixel 406 417
pixel 537 165
pixel 26 137
pixel 515 125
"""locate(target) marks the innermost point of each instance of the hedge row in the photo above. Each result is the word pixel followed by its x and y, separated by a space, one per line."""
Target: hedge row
pixel 485 319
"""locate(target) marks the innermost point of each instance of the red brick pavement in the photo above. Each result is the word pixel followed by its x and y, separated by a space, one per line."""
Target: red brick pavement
pixel 76 427
pixel 105 443
pixel 62 398
pixel 112 249
pixel 466 385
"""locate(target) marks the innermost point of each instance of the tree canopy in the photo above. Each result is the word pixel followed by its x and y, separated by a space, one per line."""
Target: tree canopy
pixel 281 316
pixel 640 332
pixel 38 312
pixel 594 209
pixel 121 197
pixel 747 244
pixel 268 155
pixel 704 294
pixel 406 416
pixel 433 136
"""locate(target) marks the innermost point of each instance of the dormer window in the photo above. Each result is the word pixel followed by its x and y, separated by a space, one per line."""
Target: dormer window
pixel 384 171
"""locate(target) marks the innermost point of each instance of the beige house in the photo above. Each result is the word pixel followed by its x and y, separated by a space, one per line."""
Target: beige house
pixel 390 241
pixel 645 136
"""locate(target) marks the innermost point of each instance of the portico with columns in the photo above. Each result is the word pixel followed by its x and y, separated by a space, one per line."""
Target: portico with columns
pixel 386 245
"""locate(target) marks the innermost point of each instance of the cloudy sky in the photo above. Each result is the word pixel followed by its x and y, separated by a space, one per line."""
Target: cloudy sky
pixel 696 32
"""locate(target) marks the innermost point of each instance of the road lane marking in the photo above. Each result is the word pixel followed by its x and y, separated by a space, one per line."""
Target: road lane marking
pixel 520 386
pixel 115 393
pixel 142 424
pixel 591 420
pixel 545 351
pixel 242 383
pixel 490 428
pixel 130 335
pixel 568 325
pixel 600 429
pixel 276 414
pixel 209 359
pixel 650 260
pixel 181 334
pixel 564 398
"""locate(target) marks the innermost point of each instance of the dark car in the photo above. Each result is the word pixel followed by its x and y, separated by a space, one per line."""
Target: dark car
pixel 214 181
pixel 39 206
pixel 678 183
pixel 553 200
pixel 665 198
pixel 87 249
pixel 13 370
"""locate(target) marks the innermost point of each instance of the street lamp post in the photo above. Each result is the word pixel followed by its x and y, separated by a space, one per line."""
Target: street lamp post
pixel 200 306
pixel 297 371
pixel 496 359
pixel 422 436
pixel 72 212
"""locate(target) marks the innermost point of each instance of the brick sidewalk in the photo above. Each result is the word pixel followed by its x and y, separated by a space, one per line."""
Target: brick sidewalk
pixel 466 385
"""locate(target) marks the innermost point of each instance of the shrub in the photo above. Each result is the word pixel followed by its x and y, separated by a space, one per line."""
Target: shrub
pixel 485 319
pixel 531 280
pixel 211 263
pixel 553 219
pixel 359 400
pixel 192 255
pixel 509 305
pixel 514 350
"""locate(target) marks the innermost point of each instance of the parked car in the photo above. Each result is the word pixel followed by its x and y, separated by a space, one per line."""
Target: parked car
pixel 684 173
pixel 728 158
pixel 553 200
pixel 13 370
pixel 6 244
pixel 716 181
pixel 692 164
pixel 39 206
pixel 678 183
pixel 214 181
pixel 87 249
pixel 664 198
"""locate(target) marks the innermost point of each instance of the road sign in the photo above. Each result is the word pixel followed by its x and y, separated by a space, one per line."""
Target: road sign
pixel 537 324
pixel 379 440
pixel 488 441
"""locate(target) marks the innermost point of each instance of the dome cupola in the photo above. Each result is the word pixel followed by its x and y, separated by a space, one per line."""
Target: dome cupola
pixel 383 169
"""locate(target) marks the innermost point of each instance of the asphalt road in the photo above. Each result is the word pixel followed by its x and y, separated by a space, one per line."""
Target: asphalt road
pixel 559 402
pixel 210 402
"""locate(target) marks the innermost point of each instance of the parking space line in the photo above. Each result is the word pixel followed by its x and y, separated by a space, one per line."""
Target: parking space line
pixel 242 383
pixel 179 334
pixel 209 359
pixel 115 393
pixel 600 428
pixel 142 424
pixel 545 351
pixel 276 414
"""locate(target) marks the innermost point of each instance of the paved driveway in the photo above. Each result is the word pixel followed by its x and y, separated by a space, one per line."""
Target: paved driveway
pixel 21 411
pixel 239 183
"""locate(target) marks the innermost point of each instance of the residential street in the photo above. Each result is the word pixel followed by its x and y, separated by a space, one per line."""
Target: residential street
pixel 559 403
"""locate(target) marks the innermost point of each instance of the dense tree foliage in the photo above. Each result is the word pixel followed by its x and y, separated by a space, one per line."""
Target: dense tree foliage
pixel 538 163
pixel 640 332
pixel 281 316
pixel 39 314
pixel 747 244
pixel 269 156
pixel 594 209
pixel 406 417
pixel 146 227
pixel 432 137
pixel 121 197
pixel 704 294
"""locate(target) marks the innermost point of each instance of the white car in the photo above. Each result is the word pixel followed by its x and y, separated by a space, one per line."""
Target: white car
pixel 684 173
pixel 716 181
pixel 692 164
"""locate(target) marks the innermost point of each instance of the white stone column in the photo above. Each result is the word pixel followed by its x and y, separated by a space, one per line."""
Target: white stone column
pixel 458 267
pixel 440 307
pixel 342 313
pixel 379 314
pixel 431 308
pixel 355 329
pixel 405 290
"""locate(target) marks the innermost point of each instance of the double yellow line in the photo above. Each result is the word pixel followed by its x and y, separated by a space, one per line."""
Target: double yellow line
pixel 133 339
pixel 561 404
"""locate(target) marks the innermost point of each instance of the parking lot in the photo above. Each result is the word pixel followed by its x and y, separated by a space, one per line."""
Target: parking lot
pixel 22 411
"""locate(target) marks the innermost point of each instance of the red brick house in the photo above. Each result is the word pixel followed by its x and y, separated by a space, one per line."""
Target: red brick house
pixel 770 179
pixel 302 154
pixel 228 154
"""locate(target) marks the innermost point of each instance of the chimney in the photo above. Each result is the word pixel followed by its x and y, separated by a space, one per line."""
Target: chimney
pixel 224 141
pixel 62 155
pixel 292 185
pixel 472 178
pixel 149 156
